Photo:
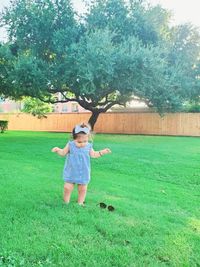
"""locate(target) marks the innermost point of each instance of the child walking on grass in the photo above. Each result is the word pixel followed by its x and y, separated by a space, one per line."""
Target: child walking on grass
pixel 77 165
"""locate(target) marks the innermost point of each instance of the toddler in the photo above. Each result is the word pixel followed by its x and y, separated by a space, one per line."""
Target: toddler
pixel 77 165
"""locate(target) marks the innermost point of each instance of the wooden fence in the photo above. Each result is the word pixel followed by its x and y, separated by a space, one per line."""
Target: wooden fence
pixel 187 124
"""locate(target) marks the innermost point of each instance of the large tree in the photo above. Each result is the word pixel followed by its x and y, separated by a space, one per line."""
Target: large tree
pixel 117 51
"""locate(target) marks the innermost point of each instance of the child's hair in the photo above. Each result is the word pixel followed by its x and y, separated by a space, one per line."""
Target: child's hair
pixel 82 125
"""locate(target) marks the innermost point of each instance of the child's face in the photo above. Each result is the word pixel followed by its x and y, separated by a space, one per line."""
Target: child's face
pixel 81 140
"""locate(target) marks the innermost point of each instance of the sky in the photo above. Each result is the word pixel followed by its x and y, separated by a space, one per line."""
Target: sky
pixel 183 10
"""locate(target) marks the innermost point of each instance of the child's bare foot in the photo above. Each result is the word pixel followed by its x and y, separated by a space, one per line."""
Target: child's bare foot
pixel 81 204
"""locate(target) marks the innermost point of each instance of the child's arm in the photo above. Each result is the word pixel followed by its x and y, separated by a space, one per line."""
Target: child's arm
pixel 60 151
pixel 97 154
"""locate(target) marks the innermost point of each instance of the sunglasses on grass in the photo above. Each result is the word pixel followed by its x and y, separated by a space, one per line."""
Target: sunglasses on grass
pixel 104 206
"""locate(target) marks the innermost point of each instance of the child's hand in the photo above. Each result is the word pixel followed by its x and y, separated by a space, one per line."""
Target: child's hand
pixel 55 149
pixel 105 151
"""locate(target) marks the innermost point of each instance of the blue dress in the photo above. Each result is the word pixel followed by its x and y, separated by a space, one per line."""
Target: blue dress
pixel 77 164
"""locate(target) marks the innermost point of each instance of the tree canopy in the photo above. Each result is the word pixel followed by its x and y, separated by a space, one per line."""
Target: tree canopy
pixel 117 51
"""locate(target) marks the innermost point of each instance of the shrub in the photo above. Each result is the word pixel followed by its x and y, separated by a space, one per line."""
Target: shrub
pixel 192 107
pixel 3 126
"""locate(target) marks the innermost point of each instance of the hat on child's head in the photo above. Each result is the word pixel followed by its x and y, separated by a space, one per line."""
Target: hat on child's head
pixel 81 128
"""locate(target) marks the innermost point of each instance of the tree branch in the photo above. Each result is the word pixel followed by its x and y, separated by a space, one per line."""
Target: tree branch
pixel 56 101
pixel 111 104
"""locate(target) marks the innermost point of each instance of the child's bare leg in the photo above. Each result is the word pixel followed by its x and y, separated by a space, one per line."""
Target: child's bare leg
pixel 68 188
pixel 82 190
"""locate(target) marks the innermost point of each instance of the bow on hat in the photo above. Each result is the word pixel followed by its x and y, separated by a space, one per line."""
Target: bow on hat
pixel 79 129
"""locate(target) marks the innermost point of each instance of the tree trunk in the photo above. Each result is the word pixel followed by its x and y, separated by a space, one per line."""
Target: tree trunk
pixel 93 118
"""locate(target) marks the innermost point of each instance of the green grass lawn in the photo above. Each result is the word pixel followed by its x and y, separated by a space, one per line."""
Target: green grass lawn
pixel 153 182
